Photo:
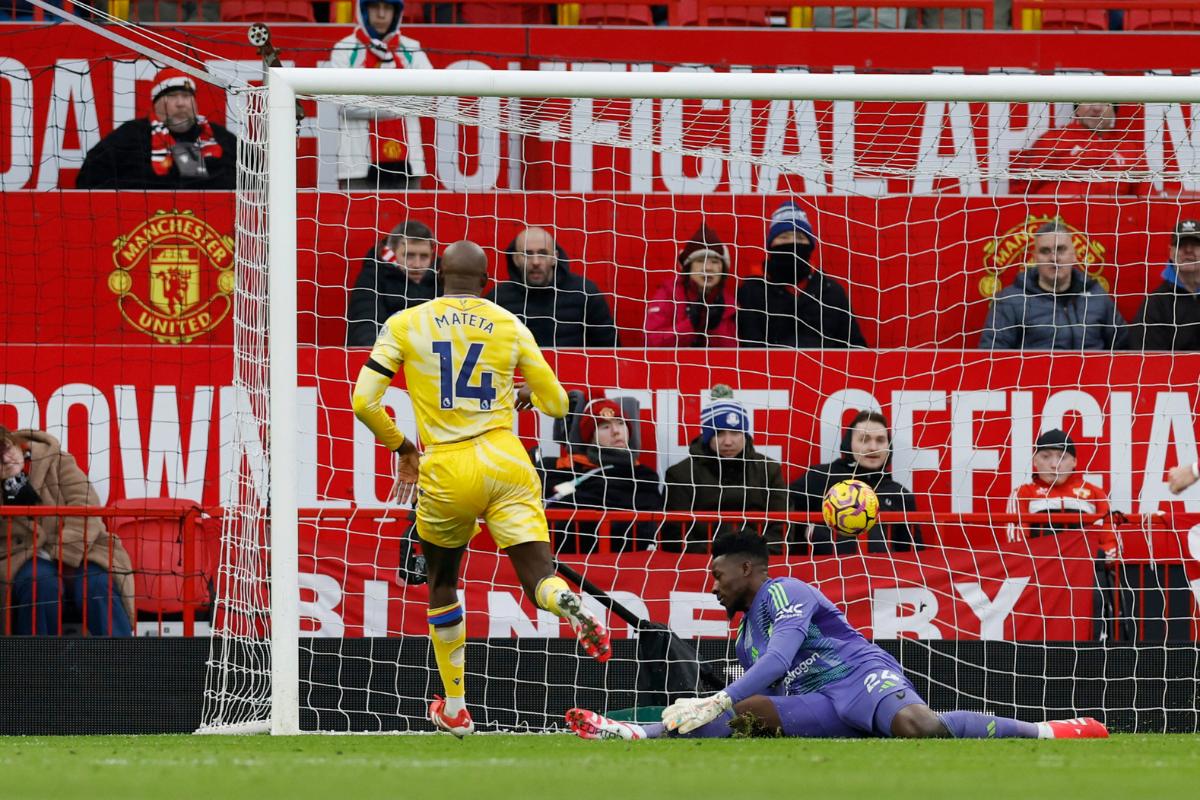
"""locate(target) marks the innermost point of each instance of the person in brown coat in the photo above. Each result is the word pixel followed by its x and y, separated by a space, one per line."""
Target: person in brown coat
pixel 97 575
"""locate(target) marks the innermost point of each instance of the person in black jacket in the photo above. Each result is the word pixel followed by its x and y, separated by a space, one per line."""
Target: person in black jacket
pixel 560 308
pixel 601 474
pixel 792 304
pixel 173 149
pixel 723 472
pixel 866 455
pixel 1170 317
pixel 399 272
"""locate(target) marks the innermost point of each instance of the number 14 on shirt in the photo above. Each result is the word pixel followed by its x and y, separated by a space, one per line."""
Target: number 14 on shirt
pixel 460 386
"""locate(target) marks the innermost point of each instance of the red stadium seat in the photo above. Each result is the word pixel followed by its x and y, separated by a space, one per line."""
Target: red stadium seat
pixel 156 548
pixel 1179 19
pixel 505 14
pixel 1074 19
pixel 615 14
pixel 688 13
pixel 267 11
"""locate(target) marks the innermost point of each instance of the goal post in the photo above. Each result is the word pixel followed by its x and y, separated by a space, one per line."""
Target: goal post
pixel 268 215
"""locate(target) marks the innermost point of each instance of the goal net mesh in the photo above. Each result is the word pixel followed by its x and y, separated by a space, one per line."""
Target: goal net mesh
pixel 973 276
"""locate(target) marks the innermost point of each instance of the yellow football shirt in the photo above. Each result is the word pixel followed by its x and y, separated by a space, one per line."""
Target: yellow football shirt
pixel 460 355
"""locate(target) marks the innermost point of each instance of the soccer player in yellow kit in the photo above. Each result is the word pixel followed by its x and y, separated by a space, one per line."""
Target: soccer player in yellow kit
pixel 459 353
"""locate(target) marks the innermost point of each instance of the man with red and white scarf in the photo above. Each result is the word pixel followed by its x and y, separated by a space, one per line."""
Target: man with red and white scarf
pixel 377 149
pixel 1057 488
pixel 173 148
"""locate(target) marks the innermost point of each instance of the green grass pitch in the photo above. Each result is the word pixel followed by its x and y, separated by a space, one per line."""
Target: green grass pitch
pixel 550 767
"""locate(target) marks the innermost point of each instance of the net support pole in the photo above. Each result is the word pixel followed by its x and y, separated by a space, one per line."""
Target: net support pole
pixel 282 431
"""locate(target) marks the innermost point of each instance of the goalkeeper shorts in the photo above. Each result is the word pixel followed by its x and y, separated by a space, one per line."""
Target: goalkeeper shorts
pixel 488 476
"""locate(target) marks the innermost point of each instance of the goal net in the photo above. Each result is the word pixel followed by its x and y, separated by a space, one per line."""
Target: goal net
pixel 964 256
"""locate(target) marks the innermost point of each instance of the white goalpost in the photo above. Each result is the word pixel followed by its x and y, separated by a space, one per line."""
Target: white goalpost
pixel 299 451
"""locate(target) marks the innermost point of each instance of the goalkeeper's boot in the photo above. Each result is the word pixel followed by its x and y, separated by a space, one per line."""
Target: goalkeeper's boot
pixel 590 725
pixel 593 637
pixel 460 724
pixel 1080 728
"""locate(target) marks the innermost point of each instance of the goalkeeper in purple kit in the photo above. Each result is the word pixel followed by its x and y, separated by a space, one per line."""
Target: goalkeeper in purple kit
pixel 809 673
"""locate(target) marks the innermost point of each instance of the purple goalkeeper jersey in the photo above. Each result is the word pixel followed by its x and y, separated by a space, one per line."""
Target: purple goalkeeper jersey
pixel 793 640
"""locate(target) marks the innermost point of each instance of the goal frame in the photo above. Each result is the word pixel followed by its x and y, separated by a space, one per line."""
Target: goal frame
pixel 285 85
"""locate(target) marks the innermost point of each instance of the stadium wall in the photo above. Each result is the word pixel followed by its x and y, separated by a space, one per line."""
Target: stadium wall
pixel 141 686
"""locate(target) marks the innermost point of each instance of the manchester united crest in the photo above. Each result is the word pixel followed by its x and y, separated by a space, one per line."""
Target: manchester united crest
pixel 174 276
pixel 1014 247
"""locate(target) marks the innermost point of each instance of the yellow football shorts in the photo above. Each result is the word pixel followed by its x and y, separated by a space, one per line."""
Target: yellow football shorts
pixel 488 476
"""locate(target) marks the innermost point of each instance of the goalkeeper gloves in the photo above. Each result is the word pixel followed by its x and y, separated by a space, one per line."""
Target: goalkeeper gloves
pixel 685 716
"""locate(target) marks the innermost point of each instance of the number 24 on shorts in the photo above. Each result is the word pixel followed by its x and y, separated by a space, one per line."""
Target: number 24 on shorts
pixel 885 679
pixel 461 386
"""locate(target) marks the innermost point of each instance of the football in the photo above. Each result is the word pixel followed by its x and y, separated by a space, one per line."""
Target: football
pixel 851 508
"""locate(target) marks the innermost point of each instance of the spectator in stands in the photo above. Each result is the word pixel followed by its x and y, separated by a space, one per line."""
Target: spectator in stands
pixel 174 148
pixel 723 472
pixel 1057 488
pixel 1053 305
pixel 1170 317
pixel 603 474
pixel 695 307
pixel 379 149
pixel 1095 141
pixel 397 273
pixel 866 455
pixel 97 575
pixel 560 308
pixel 792 304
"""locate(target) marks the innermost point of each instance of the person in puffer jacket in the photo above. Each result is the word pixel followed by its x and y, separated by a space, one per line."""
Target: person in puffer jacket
pixel 695 308
pixel 1054 305
pixel 560 308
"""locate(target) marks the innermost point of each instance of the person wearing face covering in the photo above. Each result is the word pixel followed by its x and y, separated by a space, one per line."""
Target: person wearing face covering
pixel 174 148
pixel 792 304
pixel 866 456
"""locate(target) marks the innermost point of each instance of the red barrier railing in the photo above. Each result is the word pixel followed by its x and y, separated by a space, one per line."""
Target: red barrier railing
pixel 190 600
pixel 190 560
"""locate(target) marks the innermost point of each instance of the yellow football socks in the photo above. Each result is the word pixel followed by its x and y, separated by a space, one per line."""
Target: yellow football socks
pixel 448 632
pixel 547 593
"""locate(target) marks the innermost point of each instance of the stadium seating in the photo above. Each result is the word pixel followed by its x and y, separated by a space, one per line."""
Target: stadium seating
pixel 1074 19
pixel 157 549
pixel 1181 19
pixel 615 14
pixel 267 10
pixel 699 12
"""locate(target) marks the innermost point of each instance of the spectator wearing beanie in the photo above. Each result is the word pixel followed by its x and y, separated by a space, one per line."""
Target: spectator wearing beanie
pixel 601 474
pixel 695 307
pixel 866 456
pixel 792 304
pixel 723 472
pixel 174 148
